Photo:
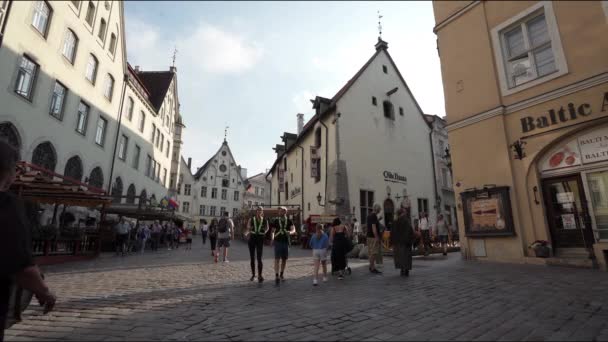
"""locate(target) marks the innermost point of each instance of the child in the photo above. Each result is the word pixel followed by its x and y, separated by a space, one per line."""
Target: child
pixel 319 243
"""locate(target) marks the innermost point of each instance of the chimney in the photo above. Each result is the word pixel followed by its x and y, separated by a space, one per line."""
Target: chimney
pixel 137 68
pixel 173 69
pixel 189 164
pixel 300 123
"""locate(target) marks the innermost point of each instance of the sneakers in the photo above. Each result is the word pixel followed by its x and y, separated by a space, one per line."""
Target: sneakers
pixel 226 261
pixel 314 282
pixel 375 271
pixel 260 279
pixel 252 278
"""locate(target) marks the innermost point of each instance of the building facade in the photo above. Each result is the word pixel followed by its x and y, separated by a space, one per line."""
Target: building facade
pixel 526 89
pixel 368 144
pixel 215 188
pixel 257 191
pixel 71 103
pixel 446 202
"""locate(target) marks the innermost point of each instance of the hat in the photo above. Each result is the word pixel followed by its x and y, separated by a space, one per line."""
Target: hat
pixel 282 207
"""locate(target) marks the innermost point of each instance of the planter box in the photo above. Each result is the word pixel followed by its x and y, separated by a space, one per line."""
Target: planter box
pixel 542 252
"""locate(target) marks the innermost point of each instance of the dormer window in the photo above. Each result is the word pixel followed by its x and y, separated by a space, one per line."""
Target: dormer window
pixel 389 110
pixel 385 69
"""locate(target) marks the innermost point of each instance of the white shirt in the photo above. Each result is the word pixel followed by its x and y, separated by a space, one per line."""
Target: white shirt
pixel 205 227
pixel 357 227
pixel 423 223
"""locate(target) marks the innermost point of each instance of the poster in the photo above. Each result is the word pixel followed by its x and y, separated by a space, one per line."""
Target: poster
pixel 487 212
pixel 568 221
pixel 565 197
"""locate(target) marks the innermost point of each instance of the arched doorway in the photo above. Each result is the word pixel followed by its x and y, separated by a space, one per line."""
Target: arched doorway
pixel 9 133
pixel 117 190
pixel 44 155
pixel 131 193
pixel 73 168
pixel 389 213
pixel 96 178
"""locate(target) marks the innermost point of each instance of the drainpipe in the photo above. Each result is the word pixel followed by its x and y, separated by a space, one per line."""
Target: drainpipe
pixel 433 164
pixel 326 155
pixel 122 98
pixel 302 164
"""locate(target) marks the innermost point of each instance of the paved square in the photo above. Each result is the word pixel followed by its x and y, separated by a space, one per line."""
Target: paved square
pixel 183 295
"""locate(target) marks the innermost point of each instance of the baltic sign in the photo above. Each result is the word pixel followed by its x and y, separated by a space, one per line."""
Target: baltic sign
pixel 394 177
pixel 560 115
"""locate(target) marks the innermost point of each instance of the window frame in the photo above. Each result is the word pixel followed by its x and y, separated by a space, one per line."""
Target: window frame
pixel 203 192
pixel 187 189
pixel 86 71
pixel 49 17
pixel 101 35
pixel 130 108
pixel 123 145
pixel 86 118
pixel 34 78
pixel 224 195
pixel 236 195
pixel 109 94
pixel 58 116
pixel 497 35
pixel 367 206
pixel 113 43
pixel 104 132
pixel 142 121
pixel 136 157
pixel 92 18
pixel 214 193
pixel 72 60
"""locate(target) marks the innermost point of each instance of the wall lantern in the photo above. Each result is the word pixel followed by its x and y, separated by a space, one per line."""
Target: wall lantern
pixel 448 158
pixel 518 149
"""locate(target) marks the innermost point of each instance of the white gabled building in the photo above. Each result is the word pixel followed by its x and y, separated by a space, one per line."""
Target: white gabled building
pixel 257 191
pixel 214 188
pixel 368 144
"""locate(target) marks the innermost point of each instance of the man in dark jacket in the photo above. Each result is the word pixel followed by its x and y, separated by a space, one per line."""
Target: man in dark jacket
pixel 16 261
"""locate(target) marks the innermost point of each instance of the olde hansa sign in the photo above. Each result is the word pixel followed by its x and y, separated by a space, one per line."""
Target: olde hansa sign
pixel 394 177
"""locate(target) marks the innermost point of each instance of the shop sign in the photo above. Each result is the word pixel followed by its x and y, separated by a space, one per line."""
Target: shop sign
pixel 322 218
pixel 586 149
pixel 295 192
pixel 594 146
pixel 394 177
pixel 563 114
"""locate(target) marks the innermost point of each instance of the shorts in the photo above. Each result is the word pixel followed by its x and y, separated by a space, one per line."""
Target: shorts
pixel 319 254
pixel 281 250
pixel 443 238
pixel 373 246
pixel 223 243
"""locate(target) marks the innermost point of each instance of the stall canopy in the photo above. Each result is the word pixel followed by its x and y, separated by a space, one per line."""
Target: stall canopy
pixel 36 184
pixel 144 210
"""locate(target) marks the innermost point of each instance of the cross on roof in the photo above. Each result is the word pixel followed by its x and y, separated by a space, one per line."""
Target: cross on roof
pixel 379 25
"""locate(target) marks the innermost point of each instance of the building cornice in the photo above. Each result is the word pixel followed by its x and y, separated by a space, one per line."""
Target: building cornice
pixel 533 101
pixel 455 16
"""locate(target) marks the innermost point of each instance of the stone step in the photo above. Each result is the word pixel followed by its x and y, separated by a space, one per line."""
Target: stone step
pixel 570 262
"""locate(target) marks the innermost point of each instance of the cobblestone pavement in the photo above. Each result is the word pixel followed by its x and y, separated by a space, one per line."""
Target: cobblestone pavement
pixel 183 295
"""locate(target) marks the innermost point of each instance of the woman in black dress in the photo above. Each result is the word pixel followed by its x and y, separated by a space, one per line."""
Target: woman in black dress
pixel 340 243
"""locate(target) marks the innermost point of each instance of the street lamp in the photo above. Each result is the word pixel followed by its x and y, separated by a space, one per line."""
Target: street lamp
pixel 319 200
pixel 448 158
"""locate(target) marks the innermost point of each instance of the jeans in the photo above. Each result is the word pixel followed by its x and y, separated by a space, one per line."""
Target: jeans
pixel 143 245
pixel 204 233
pixel 256 246
pixel 155 238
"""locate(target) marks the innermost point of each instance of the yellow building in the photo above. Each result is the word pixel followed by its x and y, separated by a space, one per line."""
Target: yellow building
pixel 526 91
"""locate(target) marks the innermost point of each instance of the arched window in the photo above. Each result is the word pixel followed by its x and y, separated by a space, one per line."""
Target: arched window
pixel 42 15
pixel 131 193
pixel 143 197
pixel 113 44
pixel 45 156
pixel 73 168
pixel 91 72
pixel 102 29
pixel 109 87
pixel 90 13
pixel 117 190
pixel 96 178
pixel 8 132
pixel 70 44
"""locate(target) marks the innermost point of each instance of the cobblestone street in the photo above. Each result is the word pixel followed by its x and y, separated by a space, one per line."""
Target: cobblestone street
pixel 183 295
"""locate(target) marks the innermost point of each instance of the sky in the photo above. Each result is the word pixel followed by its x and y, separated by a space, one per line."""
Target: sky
pixel 252 66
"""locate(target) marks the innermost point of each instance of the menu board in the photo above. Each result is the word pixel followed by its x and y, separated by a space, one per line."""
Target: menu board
pixel 488 212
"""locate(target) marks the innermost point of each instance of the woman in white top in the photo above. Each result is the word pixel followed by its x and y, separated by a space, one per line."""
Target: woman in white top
pixel 204 231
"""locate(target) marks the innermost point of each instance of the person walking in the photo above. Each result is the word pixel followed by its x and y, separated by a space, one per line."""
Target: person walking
pixel 204 231
pixel 177 232
pixel 225 233
pixel 213 238
pixel 374 239
pixel 144 236
pixel 156 229
pixel 339 243
pixel 122 234
pixel 283 229
pixel 356 231
pixel 319 242
pixel 189 239
pixel 423 224
pixel 257 227
pixel 442 230
pixel 402 238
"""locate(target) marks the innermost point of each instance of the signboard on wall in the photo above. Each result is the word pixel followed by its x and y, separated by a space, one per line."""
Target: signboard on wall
pixel 585 149
pixel 487 212
pixel 594 146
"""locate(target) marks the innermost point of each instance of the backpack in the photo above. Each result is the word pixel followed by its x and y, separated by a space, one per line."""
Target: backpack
pixel 223 226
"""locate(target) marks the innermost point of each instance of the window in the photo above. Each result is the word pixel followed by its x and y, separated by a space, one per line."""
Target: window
pixel 82 119
pixel 70 43
pixel 122 147
pixel 257 191
pixel 262 192
pixel 374 101
pixel 445 179
pixel 223 168
pixel 109 87
pixel 214 193
pixel 136 154
pixel 235 212
pixel 129 108
pixel 389 110
pixel 225 183
pixel 58 100
pixel 366 203
pixel 90 13
pixel 142 121
pixel 100 135
pixel 423 205
pixel 102 30
pixel 148 165
pixel 113 44
pixel 236 196
pixel 224 194
pixel 441 147
pixel 203 191
pixel 26 77
pixel 318 137
pixel 91 72
pixel 186 207
pixel 164 176
pixel 76 3
pixel 187 189
pixel 401 111
pixel 212 211
pixel 153 132
pixel 385 69
pixel 44 155
pixel 42 15
pixel 157 138
pixel 201 210
pixel 168 148
pixel 153 170
pixel 162 142
pixel 528 49
pixel 222 211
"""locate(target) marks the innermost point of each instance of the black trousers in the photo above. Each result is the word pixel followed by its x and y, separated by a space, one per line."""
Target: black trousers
pixel 256 246
pixel 213 241
pixel 204 233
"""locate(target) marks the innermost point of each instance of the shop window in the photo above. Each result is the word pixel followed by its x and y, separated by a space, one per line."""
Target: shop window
pixel 366 204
